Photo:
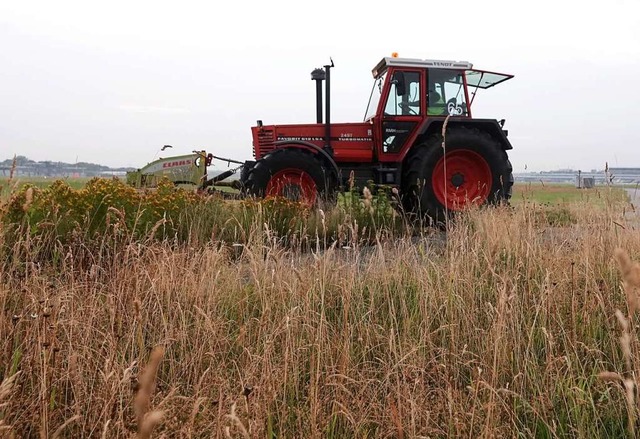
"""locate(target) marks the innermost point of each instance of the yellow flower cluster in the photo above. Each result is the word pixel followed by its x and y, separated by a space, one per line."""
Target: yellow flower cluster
pixel 92 205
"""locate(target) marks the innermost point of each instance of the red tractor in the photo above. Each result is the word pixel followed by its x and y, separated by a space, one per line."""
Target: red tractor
pixel 399 143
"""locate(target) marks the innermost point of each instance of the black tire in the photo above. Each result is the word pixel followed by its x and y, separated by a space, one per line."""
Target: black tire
pixel 280 160
pixel 244 172
pixel 419 196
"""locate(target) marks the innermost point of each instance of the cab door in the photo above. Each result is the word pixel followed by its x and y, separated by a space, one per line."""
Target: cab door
pixel 402 113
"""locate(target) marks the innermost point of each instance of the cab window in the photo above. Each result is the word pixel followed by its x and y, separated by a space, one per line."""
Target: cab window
pixel 404 95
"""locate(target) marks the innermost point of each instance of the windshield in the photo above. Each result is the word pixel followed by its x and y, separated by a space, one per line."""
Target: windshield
pixel 446 93
pixel 374 98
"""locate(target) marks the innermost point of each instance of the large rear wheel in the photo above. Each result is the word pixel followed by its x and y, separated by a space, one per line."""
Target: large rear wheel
pixel 474 171
pixel 290 173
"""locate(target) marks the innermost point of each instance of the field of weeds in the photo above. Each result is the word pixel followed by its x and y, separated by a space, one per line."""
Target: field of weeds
pixel 128 314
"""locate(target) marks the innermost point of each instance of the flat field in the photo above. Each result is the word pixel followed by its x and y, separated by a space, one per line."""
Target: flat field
pixel 555 193
pixel 200 318
pixel 8 186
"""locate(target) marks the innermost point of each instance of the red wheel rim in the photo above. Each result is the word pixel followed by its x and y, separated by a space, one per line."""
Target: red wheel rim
pixel 467 180
pixel 293 184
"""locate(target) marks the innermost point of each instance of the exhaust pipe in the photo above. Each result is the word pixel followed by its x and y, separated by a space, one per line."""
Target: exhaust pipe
pixel 318 75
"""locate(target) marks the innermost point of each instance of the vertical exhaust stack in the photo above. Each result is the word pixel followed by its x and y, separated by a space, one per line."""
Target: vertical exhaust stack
pixel 327 122
pixel 318 75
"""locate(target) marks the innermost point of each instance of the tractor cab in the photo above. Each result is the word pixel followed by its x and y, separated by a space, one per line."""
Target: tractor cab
pixel 415 87
pixel 410 94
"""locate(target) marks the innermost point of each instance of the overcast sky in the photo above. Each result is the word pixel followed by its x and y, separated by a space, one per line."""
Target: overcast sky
pixel 111 82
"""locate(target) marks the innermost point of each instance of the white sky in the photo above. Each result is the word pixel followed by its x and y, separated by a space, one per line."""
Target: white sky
pixel 111 82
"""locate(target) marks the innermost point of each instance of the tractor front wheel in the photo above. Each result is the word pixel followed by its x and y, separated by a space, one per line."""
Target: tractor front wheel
pixel 290 173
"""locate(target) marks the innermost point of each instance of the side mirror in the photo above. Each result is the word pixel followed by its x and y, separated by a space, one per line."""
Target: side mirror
pixel 401 85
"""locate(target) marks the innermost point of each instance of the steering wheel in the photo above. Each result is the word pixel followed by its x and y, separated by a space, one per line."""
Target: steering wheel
pixel 407 107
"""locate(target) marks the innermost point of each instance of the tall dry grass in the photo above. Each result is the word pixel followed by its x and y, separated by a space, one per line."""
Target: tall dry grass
pixel 499 327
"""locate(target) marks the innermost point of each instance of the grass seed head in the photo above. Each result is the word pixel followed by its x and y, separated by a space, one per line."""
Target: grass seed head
pixel 631 279
pixel 28 199
pixel 147 385
pixel 149 422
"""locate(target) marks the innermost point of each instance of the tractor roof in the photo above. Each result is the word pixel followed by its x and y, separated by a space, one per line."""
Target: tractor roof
pixel 416 62
pixel 475 78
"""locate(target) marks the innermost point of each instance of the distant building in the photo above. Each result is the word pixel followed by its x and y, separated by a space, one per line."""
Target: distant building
pixel 113 173
pixel 625 175
pixel 614 175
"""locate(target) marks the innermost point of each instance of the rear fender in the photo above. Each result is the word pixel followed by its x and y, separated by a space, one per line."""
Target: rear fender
pixel 489 126
pixel 307 146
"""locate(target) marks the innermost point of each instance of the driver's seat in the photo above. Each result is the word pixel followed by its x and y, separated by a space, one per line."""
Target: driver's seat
pixel 437 106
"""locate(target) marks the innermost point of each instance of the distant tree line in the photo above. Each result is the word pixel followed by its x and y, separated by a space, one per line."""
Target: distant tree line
pixel 23 166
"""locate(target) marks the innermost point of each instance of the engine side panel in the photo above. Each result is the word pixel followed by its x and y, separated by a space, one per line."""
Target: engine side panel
pixel 351 142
